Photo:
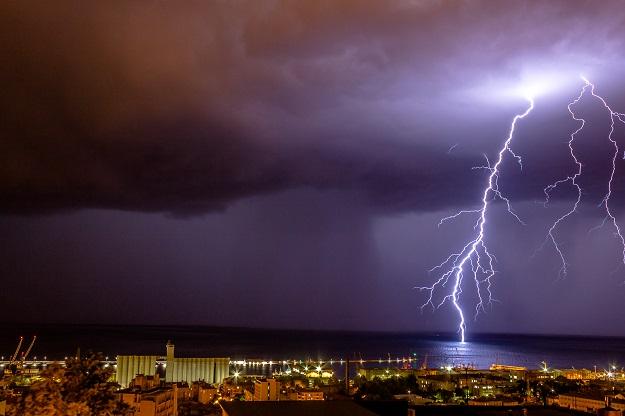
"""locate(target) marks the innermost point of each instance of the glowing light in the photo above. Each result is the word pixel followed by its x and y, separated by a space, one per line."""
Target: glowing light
pixel 475 255
pixel 529 85
pixel 533 90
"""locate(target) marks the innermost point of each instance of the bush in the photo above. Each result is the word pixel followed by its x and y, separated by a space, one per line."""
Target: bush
pixel 81 388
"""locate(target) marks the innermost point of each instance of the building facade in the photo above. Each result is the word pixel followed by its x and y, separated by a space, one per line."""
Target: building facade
pixel 159 401
pixel 582 402
pixel 128 366
pixel 210 370
pixel 177 370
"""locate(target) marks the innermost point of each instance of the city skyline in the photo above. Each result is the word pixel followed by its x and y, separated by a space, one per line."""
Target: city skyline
pixel 286 164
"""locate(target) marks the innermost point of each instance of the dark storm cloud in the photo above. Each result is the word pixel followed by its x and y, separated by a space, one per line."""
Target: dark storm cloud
pixel 187 107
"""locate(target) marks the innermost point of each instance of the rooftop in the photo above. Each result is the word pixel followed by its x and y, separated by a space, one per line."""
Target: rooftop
pixel 295 408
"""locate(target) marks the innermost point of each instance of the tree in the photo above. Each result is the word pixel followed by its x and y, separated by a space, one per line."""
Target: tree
pixel 81 388
pixel 553 387
pixel 444 395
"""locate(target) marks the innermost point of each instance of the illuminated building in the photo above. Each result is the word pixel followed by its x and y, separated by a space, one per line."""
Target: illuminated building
pixel 128 366
pixel 438 382
pixel 507 368
pixel 579 374
pixel 210 370
pixel 484 401
pixel 158 401
pixel 309 394
pixel 144 382
pixel 266 390
pixel 589 402
pixel 203 392
pixel 384 373
pixel 322 408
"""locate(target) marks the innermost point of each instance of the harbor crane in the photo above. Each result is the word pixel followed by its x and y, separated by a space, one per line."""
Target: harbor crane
pixel 30 347
pixel 17 350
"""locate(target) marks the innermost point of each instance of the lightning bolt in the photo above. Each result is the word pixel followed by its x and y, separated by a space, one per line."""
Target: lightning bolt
pixel 475 258
pixel 605 202
pixel 572 179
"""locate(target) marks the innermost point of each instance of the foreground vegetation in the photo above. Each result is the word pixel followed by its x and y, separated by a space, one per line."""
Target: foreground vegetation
pixel 81 388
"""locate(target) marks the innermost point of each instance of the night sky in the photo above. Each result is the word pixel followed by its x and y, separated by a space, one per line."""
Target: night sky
pixel 285 163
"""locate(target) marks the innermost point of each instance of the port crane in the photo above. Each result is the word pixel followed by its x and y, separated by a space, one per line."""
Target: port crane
pixel 17 350
pixel 14 363
pixel 30 347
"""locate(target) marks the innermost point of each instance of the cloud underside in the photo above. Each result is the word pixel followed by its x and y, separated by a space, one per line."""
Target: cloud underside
pixel 186 108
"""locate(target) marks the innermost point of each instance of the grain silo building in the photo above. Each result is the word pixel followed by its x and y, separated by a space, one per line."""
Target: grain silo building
pixel 210 370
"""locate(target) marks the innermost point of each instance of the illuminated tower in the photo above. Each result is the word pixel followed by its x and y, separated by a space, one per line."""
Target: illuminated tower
pixel 169 370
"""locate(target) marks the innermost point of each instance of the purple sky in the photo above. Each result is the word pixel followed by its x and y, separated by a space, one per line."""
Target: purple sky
pixel 285 163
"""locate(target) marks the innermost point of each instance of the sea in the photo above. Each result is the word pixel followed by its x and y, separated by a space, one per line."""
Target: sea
pixel 435 350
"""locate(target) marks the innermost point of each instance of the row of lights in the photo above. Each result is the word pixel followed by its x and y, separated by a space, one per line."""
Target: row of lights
pixel 331 362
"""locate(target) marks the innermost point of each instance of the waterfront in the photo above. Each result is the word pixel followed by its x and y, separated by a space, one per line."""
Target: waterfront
pixel 58 341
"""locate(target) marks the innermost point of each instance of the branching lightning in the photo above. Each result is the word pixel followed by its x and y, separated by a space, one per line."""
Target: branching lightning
pixel 572 179
pixel 475 258
pixel 605 202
